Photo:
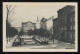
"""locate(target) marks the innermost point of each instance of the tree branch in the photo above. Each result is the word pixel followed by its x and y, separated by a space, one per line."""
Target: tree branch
pixel 7 8
pixel 11 9
pixel 7 11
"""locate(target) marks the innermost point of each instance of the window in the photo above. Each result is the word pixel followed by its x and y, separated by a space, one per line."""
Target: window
pixel 59 28
pixel 70 36
pixel 62 28
pixel 70 27
pixel 73 36
pixel 65 18
pixel 65 28
pixel 71 19
pixel 74 27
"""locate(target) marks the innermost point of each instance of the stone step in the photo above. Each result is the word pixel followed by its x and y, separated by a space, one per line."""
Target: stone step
pixel 29 42
pixel 27 39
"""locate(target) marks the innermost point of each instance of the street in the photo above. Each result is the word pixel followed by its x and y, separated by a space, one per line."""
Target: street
pixel 30 44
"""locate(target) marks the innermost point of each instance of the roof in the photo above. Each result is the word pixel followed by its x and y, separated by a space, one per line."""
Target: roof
pixel 55 19
pixel 28 22
pixel 43 19
pixel 67 8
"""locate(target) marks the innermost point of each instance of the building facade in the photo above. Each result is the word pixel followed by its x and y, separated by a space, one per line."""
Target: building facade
pixel 26 26
pixel 55 28
pixel 50 23
pixel 43 23
pixel 66 24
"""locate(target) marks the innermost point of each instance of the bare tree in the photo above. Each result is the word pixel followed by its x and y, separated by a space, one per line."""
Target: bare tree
pixel 9 10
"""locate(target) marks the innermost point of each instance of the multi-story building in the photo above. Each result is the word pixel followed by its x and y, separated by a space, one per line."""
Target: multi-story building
pixel 43 23
pixel 47 23
pixel 66 24
pixel 50 23
pixel 55 28
pixel 28 26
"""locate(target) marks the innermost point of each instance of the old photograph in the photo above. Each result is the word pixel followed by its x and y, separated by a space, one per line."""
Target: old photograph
pixel 40 26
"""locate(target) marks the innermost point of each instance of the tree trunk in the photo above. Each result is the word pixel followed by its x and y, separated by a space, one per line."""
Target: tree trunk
pixel 7 39
pixel 53 39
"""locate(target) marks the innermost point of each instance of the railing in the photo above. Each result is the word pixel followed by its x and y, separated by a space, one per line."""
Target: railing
pixel 11 42
pixel 38 40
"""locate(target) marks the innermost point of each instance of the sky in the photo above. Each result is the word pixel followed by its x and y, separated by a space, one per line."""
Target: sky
pixel 30 12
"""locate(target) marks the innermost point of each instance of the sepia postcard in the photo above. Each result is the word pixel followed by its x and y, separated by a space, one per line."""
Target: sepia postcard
pixel 40 26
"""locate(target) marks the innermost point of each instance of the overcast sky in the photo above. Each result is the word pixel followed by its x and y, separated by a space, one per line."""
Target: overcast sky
pixel 29 12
